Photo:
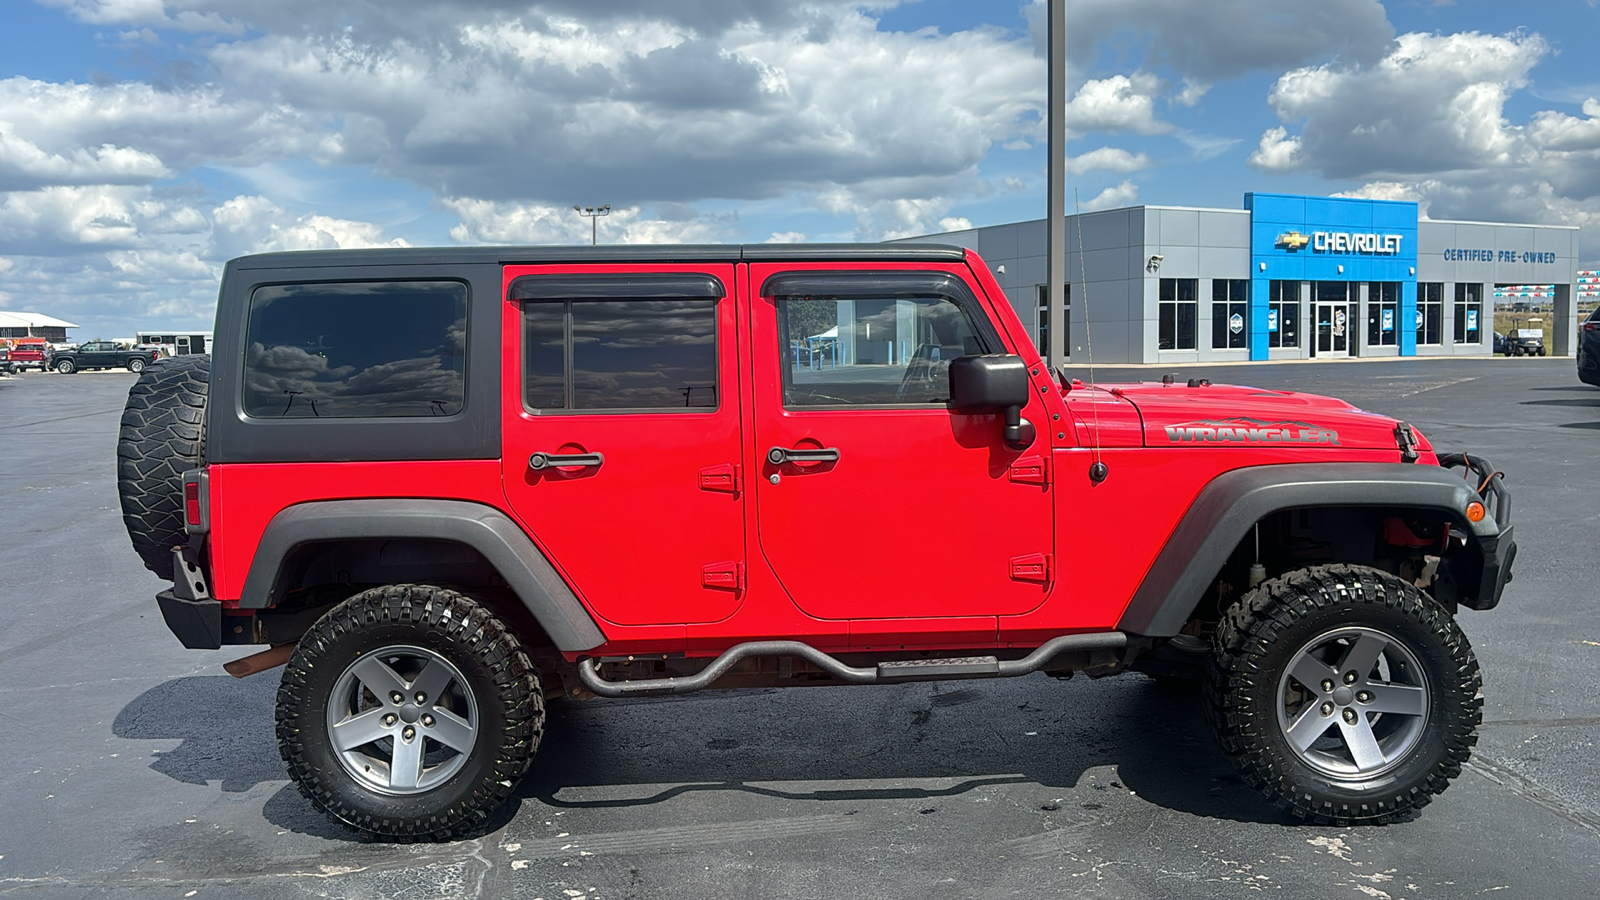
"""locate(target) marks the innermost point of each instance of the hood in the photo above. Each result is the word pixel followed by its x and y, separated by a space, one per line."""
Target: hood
pixel 1210 415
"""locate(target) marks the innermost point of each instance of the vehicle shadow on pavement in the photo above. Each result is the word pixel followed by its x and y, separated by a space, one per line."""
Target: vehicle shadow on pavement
pixel 1155 736
pixel 768 743
pixel 226 734
pixel 224 725
pixel 1580 402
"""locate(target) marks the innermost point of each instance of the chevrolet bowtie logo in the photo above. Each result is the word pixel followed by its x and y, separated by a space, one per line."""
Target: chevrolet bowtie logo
pixel 1293 240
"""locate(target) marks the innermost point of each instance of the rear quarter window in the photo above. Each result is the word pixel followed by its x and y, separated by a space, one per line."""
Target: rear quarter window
pixel 356 350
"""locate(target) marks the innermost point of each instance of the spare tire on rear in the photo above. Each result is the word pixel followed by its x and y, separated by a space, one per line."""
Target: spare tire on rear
pixel 163 435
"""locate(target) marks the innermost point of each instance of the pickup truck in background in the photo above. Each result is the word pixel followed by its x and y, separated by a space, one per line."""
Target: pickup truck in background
pixel 102 355
pixel 30 354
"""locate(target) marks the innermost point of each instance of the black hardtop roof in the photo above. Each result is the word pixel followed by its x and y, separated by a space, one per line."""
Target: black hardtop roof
pixel 616 253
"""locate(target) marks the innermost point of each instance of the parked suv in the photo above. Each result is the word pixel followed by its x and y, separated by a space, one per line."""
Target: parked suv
pixel 444 485
pixel 1589 349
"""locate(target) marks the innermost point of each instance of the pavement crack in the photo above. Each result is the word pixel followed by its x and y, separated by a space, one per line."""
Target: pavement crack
pixel 1530 790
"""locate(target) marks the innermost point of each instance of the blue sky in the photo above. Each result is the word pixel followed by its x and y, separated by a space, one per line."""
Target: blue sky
pixel 145 142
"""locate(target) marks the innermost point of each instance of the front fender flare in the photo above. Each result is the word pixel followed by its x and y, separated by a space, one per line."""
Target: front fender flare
pixel 1225 511
pixel 483 528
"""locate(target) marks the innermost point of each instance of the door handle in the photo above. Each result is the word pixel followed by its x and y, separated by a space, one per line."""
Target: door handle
pixel 780 455
pixel 545 460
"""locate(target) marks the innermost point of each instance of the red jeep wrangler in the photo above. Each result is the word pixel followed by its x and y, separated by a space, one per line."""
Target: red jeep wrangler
pixel 446 485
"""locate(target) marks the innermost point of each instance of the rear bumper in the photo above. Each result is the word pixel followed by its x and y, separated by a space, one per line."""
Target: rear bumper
pixel 197 624
pixel 1589 365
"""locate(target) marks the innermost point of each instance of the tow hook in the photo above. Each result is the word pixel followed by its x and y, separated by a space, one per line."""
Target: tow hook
pixel 259 662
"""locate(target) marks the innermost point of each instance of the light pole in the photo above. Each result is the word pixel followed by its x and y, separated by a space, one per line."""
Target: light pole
pixel 593 214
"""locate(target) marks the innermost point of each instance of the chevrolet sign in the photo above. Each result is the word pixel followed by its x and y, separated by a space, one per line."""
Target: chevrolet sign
pixel 1345 242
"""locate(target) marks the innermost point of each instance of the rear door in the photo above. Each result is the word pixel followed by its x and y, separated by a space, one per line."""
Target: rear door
pixel 874 500
pixel 621 432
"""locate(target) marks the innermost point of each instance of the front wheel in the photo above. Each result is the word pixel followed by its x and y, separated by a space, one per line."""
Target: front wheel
pixel 1344 694
pixel 409 712
pixel 65 366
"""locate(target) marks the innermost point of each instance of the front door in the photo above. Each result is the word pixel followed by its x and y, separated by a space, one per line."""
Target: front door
pixel 622 435
pixel 1332 330
pixel 874 500
pixel 96 354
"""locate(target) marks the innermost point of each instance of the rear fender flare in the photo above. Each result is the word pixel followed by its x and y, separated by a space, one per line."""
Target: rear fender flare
pixel 483 528
pixel 1225 511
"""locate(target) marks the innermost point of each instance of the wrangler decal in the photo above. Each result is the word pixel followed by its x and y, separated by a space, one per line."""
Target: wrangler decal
pixel 1252 431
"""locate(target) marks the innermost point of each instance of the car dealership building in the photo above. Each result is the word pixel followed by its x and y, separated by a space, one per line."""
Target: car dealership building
pixel 1286 277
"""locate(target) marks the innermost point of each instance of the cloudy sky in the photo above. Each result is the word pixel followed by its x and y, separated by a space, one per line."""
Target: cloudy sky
pixel 145 142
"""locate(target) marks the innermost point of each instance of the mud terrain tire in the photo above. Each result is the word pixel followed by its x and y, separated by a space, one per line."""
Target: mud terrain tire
pixel 362 673
pixel 163 435
pixel 1391 710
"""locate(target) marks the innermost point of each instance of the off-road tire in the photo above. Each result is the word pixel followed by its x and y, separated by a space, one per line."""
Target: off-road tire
pixel 163 435
pixel 1264 631
pixel 505 689
pixel 65 367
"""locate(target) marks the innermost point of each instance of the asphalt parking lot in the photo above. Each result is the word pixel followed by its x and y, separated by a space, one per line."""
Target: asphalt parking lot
pixel 135 768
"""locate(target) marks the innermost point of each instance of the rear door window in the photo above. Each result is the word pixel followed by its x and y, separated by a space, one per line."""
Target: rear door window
pixel 600 355
pixel 356 350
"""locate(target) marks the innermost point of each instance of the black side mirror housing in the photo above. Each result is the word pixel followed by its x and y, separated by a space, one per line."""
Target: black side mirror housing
pixel 986 384
pixel 994 383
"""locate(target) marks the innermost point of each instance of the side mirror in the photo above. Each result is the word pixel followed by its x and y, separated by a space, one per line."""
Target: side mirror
pixel 989 384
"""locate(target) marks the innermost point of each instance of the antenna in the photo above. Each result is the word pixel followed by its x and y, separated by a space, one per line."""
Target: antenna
pixel 1098 470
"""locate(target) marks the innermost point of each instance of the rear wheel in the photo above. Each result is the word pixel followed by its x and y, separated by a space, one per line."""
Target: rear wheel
pixel 409 712
pixel 1344 694
pixel 136 365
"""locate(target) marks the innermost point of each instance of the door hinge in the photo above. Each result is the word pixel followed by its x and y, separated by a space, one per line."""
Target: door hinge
pixel 1033 567
pixel 726 479
pixel 1031 470
pixel 727 576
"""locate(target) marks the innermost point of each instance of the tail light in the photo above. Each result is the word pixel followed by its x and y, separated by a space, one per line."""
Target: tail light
pixel 1591 326
pixel 196 501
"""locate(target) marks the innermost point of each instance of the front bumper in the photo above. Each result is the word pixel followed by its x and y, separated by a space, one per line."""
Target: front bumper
pixel 1493 536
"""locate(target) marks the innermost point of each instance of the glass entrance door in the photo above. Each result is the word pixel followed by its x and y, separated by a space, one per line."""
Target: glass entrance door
pixel 1330 311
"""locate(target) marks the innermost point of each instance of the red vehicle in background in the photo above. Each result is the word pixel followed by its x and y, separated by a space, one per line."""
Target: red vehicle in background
pixel 31 353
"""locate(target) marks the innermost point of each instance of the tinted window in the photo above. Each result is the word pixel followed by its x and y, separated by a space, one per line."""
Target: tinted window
pixel 620 354
pixel 838 351
pixel 355 350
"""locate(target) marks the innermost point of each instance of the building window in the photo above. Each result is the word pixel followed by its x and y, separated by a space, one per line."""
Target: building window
pixel 1230 314
pixel 1179 313
pixel 1283 314
pixel 1383 313
pixel 1469 313
pixel 1044 321
pixel 1430 314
